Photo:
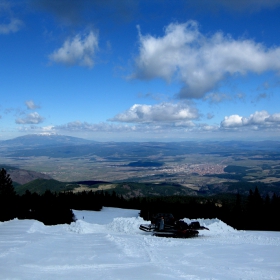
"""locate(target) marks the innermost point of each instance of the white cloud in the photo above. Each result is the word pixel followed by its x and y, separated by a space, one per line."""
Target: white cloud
pixel 48 128
pixel 259 125
pixel 164 112
pixel 31 105
pixel 33 118
pixel 257 120
pixel 10 24
pixel 126 131
pixel 198 61
pixel 232 121
pixel 13 26
pixel 77 51
pixel 274 118
pixel 210 128
pixel 100 127
pixel 185 124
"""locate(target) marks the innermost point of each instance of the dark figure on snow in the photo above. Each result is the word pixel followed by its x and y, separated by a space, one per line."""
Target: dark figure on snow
pixel 161 224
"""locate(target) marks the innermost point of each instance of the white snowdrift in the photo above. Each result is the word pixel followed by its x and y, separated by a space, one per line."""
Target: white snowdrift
pixel 216 226
pixel 109 245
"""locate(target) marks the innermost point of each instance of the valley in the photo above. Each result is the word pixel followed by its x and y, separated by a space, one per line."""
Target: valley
pixel 198 166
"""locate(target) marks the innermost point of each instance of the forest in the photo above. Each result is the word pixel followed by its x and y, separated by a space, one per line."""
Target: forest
pixel 252 212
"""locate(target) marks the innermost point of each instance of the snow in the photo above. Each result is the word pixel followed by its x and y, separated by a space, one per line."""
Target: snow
pixel 109 245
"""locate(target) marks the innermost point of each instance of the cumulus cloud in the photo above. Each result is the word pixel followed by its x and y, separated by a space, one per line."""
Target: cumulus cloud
pixel 31 105
pixel 274 118
pixel 232 121
pixel 79 50
pixel 158 131
pixel 33 118
pixel 200 62
pixel 257 120
pixel 164 112
pixel 252 126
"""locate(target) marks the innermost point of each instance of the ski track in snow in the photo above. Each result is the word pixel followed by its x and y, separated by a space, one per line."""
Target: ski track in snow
pixel 109 245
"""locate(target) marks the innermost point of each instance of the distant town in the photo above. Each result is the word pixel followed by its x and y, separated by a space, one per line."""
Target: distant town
pixel 201 169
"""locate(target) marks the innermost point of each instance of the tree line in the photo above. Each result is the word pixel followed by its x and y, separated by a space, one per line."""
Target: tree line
pixel 244 213
pixel 250 212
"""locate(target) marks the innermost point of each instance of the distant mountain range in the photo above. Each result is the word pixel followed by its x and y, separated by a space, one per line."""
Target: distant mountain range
pixel 38 140
pixel 49 139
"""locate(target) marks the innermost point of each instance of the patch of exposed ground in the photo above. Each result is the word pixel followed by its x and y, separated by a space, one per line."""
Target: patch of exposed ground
pixel 82 188
pixel 269 180
pixel 191 186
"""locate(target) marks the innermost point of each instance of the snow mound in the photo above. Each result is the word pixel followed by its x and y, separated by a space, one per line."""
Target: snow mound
pixel 215 226
pixel 85 228
pixel 126 225
pixel 37 227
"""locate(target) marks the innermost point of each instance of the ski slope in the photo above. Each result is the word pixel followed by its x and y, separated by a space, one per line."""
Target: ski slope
pixel 109 245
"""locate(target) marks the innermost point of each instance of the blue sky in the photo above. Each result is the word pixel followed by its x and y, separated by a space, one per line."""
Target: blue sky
pixel 158 70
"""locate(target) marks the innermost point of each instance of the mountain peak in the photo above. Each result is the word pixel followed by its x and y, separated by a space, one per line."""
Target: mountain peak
pixel 44 139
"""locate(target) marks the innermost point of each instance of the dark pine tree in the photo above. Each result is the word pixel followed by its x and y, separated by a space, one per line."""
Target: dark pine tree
pixel 6 184
pixel 255 211
pixel 7 197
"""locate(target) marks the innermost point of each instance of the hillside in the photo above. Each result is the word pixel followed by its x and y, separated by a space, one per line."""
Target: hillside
pixel 22 176
pixel 41 185
pixel 126 189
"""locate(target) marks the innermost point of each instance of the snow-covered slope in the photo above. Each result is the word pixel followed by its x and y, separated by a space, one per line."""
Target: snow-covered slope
pixel 109 245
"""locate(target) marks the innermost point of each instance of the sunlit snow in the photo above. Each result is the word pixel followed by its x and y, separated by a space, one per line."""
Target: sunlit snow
pixel 109 245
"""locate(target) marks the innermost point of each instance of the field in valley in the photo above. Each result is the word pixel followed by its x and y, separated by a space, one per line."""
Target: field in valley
pixel 197 166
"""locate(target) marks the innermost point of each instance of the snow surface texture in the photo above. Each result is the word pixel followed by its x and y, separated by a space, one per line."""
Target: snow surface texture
pixel 109 245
